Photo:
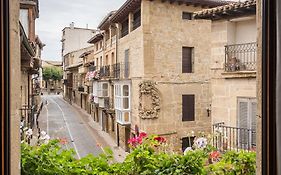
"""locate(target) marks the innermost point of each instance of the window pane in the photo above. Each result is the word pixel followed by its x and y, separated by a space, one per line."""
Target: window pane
pixel 125 90
pixel 125 103
pixel 188 107
pixel 187 60
pixel 104 86
pixel 126 117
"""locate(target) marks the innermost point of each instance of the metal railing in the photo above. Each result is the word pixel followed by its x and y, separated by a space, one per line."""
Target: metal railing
pixel 108 103
pixel 92 68
pixel 28 114
pixel 105 71
pixel 240 57
pixel 233 138
pixel 121 70
pixel 81 88
pixel 116 69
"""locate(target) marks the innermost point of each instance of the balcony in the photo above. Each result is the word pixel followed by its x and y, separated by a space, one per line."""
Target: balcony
pixel 121 70
pixel 81 88
pixel 108 103
pixel 105 71
pixel 233 138
pixel 240 57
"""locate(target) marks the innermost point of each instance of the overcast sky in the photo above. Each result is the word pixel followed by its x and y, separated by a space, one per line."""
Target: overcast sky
pixel 54 15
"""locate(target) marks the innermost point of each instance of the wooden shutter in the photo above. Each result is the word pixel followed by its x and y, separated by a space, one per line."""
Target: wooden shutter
pixel 188 107
pixel 243 123
pixel 186 15
pixel 187 59
pixel 253 122
pixel 126 71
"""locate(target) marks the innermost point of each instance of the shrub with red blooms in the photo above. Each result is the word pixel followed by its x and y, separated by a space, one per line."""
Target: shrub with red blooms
pixel 215 155
pixel 137 140
pixel 160 139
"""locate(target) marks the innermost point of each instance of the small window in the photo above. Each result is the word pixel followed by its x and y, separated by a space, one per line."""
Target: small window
pixel 137 19
pixel 187 59
pixel 187 142
pixel 125 28
pixel 188 107
pixel 186 15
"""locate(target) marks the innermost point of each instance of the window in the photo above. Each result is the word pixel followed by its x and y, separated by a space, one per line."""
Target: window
pixel 97 46
pixel 137 19
pixel 122 102
pixel 187 142
pixel 125 28
pixel 103 89
pixel 186 15
pixel 24 20
pixel 247 110
pixel 188 107
pixel 101 61
pixel 187 59
pixel 126 60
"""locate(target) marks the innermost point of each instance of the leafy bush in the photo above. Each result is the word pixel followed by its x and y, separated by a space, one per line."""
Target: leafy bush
pixel 149 156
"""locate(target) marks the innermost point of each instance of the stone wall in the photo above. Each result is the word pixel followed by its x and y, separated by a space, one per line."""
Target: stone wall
pixel 225 93
pixel 162 63
pixel 15 84
pixel 227 87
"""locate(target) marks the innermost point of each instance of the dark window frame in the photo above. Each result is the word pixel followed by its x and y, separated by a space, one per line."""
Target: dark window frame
pixel 137 20
pixel 187 60
pixel 124 30
pixel 188 107
pixel 187 142
pixel 187 15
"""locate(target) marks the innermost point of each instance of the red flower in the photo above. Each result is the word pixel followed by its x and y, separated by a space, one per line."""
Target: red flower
pixel 142 135
pixel 215 154
pixel 160 139
pixel 63 141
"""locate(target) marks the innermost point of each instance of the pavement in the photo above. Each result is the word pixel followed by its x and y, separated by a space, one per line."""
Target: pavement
pixel 69 122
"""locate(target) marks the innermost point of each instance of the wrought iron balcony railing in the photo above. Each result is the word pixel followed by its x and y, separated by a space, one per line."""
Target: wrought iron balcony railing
pixel 108 103
pixel 121 70
pixel 105 71
pixel 240 57
pixel 81 88
pixel 116 70
pixel 233 138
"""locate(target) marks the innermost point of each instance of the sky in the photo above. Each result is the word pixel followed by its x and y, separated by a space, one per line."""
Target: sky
pixel 54 15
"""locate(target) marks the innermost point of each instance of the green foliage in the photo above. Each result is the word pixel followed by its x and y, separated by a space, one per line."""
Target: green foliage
pixel 53 73
pixel 235 163
pixel 148 158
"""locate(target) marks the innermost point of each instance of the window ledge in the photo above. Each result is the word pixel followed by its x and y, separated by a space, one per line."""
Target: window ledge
pixel 239 74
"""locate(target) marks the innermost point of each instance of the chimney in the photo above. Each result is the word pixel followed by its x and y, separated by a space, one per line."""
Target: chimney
pixel 71 25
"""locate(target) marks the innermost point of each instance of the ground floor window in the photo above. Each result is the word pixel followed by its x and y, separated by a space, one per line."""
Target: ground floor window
pixel 187 142
pixel 247 111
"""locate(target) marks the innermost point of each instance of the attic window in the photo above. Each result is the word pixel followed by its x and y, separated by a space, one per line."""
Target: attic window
pixel 186 15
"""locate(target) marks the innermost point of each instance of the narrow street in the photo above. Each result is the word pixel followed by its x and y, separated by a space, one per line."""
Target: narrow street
pixel 62 120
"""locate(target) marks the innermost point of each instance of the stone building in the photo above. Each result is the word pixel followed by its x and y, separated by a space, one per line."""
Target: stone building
pixel 74 81
pixel 101 75
pixel 74 39
pixel 233 65
pixel 54 86
pixel 172 80
pixel 156 75
pixel 31 47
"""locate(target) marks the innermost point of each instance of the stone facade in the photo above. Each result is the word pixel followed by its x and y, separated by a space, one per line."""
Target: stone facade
pixel 259 88
pixel 15 103
pixel 150 39
pixel 52 86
